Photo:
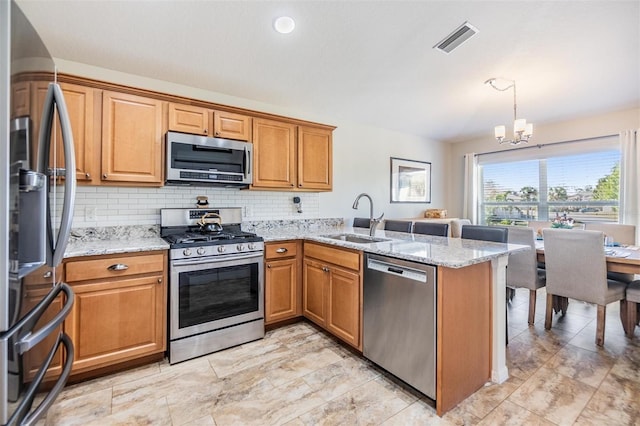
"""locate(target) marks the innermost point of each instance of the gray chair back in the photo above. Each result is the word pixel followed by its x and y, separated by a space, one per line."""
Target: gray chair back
pixel 398 225
pixel 498 234
pixel 522 269
pixel 623 234
pixel 430 228
pixel 361 222
pixel 576 265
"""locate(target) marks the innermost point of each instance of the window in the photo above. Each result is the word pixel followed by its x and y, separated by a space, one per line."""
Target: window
pixel 583 186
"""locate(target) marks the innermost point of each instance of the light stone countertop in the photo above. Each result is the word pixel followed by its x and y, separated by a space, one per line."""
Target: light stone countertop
pixel 442 251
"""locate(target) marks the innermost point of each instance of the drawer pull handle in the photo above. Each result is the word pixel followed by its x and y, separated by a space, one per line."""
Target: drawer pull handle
pixel 47 274
pixel 118 267
pixel 282 250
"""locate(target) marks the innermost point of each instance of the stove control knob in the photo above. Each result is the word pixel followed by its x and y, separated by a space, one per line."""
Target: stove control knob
pixel 201 251
pixel 186 252
pixel 240 247
pixel 252 246
pixel 221 249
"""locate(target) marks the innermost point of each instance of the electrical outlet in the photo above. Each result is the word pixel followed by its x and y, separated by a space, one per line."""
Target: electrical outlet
pixel 248 211
pixel 90 213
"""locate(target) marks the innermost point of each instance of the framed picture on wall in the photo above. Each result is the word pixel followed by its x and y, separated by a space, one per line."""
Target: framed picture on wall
pixel 410 181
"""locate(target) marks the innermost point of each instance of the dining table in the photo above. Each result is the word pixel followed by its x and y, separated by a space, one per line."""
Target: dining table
pixel 620 259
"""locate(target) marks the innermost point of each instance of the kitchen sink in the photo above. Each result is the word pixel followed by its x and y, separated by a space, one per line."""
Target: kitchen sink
pixel 356 238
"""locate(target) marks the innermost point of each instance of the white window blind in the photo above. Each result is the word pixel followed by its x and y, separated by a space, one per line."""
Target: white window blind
pixel 578 180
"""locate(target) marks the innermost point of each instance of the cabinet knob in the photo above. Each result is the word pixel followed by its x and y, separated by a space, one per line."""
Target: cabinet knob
pixel 325 269
pixel 217 133
pixel 159 280
pixel 268 266
pixel 47 274
pixel 300 185
pixel 282 250
pixel 292 185
pixel 87 175
pixel 104 176
pixel 118 267
pixel 205 131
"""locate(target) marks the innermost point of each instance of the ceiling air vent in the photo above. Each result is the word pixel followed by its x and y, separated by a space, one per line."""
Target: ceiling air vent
pixel 461 34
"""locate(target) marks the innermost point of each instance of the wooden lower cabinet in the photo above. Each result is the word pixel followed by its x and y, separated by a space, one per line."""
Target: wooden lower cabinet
pixel 283 281
pixel 332 288
pixel 120 308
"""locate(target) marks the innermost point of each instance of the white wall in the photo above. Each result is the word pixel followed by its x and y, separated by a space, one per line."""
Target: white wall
pixel 583 128
pixel 361 163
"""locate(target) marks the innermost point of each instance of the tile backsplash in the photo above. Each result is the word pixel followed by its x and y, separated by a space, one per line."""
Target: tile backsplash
pixel 111 206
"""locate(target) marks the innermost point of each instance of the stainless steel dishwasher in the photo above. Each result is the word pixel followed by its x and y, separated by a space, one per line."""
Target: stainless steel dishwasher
pixel 399 330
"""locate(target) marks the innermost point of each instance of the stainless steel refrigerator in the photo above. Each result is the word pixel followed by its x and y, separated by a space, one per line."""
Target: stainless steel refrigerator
pixel 37 180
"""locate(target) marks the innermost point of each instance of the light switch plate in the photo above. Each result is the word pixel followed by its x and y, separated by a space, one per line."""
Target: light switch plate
pixel 90 213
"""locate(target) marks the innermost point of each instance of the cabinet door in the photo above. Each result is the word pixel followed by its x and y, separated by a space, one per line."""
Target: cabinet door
pixel 188 119
pixel 117 321
pixel 274 152
pixel 281 293
pixel 132 130
pixel 314 291
pixel 20 99
pixel 343 314
pixel 315 158
pixel 231 126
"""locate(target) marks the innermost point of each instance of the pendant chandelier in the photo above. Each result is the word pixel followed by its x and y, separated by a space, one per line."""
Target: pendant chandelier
pixel 522 130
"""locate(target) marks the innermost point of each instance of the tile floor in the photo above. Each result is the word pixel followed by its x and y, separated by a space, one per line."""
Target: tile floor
pixel 297 375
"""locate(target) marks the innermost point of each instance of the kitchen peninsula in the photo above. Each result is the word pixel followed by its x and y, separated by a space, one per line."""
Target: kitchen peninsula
pixel 470 294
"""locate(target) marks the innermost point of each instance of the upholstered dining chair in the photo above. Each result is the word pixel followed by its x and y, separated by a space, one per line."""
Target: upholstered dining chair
pixel 430 228
pixel 398 225
pixel 522 269
pixel 623 234
pixel 497 234
pixel 456 227
pixel 630 308
pixel 361 222
pixel 576 268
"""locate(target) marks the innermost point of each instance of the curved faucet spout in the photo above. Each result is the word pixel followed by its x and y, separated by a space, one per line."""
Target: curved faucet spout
pixel 373 222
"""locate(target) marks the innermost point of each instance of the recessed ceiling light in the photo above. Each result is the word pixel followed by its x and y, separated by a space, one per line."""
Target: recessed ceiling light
pixel 284 24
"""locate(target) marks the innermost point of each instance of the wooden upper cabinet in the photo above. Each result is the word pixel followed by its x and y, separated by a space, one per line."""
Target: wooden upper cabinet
pixel 202 121
pixel 188 119
pixel 315 163
pixel 20 99
pixel 82 105
pixel 132 134
pixel 229 125
pixel 274 154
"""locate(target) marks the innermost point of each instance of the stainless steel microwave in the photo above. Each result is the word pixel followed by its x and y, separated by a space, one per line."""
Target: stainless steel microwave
pixel 200 160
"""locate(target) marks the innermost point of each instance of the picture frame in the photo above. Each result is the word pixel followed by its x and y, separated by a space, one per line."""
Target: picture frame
pixel 410 181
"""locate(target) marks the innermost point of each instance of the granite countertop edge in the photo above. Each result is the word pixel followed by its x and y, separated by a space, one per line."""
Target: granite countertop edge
pixel 440 251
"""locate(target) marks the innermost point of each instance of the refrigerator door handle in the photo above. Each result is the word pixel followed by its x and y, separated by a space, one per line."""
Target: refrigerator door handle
pixel 29 340
pixel 55 97
pixel 22 415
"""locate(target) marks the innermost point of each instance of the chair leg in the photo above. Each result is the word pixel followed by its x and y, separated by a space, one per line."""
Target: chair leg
pixel 600 323
pixel 629 316
pixel 532 306
pixel 549 312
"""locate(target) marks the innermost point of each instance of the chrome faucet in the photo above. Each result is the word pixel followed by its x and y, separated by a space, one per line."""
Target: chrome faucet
pixel 373 222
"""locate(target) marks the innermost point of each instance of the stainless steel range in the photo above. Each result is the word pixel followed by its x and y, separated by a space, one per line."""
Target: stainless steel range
pixel 216 282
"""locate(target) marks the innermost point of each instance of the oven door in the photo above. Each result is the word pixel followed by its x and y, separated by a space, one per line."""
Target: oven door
pixel 216 292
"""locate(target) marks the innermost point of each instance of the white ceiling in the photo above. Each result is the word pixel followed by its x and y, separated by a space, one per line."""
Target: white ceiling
pixel 369 61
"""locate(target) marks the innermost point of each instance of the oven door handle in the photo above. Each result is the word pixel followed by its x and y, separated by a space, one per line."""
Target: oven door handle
pixel 215 259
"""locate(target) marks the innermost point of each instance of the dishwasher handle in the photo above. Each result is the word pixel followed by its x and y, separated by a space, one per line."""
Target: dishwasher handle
pixel 397 270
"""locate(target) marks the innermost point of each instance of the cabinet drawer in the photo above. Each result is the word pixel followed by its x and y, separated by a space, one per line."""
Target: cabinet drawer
pixel 283 249
pixel 114 267
pixel 341 257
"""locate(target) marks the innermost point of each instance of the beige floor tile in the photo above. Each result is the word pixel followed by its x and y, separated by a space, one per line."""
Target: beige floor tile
pixel 150 412
pixel 299 365
pixel 587 366
pixel 555 397
pixel 234 360
pixel 511 414
pixel 335 379
pixel 369 404
pixel 269 407
pixel 418 413
pixel 81 409
pixel 490 396
pixel 615 402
